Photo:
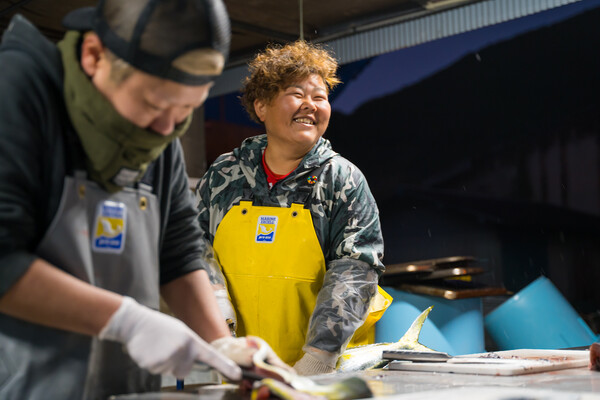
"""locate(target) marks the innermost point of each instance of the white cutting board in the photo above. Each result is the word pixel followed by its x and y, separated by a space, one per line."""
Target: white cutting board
pixel 511 362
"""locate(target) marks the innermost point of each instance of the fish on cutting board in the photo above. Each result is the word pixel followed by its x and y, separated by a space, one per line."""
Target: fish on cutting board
pixel 369 356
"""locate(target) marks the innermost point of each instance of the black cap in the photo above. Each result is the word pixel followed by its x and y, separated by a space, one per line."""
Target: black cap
pixel 151 34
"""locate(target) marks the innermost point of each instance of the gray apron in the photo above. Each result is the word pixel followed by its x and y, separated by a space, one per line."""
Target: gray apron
pixel 110 241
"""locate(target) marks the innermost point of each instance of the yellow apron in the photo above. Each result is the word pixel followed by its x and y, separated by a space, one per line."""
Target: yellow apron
pixel 274 267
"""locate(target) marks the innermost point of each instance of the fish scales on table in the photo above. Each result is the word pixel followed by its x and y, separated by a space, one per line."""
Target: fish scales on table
pixel 361 358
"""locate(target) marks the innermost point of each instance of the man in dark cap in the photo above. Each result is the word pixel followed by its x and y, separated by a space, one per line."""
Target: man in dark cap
pixel 96 218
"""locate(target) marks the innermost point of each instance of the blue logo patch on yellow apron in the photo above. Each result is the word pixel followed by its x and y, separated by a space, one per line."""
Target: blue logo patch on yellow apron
pixel 266 228
pixel 109 231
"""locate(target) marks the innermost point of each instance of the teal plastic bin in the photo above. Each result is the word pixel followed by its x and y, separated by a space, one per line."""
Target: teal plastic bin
pixel 538 317
pixel 453 326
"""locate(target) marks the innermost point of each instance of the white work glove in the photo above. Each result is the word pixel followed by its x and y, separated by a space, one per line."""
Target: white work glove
pixel 242 349
pixel 311 365
pixel 163 344
pixel 226 309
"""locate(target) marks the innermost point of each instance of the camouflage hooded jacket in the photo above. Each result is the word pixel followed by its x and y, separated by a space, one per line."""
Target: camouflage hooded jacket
pixel 346 221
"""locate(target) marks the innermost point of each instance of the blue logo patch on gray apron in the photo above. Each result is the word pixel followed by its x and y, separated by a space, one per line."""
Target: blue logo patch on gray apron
pixel 266 228
pixel 109 228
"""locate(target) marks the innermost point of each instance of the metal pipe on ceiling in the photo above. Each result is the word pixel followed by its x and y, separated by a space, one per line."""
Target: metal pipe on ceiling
pixel 301 20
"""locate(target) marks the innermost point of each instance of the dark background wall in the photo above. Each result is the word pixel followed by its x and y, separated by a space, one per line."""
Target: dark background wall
pixel 496 156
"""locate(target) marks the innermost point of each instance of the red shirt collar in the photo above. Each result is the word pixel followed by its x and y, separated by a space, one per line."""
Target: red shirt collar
pixel 272 178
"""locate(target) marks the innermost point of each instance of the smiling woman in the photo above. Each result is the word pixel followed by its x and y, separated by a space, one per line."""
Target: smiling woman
pixel 294 226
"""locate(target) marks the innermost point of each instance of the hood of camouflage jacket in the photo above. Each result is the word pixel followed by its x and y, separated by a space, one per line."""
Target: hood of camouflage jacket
pixel 250 156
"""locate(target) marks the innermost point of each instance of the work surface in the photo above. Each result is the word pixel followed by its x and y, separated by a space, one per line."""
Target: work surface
pixel 579 383
pixel 576 383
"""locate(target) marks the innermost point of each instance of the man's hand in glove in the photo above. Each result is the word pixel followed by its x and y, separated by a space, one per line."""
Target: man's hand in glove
pixel 163 344
pixel 241 350
pixel 311 365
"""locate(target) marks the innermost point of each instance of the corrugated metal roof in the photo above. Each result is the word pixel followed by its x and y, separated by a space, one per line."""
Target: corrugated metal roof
pixel 435 26
pixel 391 35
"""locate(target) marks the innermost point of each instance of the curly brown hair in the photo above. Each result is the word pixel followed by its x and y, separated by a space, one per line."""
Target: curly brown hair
pixel 277 67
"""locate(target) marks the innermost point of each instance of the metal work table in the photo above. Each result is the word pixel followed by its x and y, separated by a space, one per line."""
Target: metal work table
pixel 577 383
pixel 572 384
